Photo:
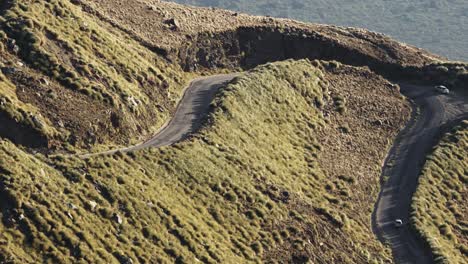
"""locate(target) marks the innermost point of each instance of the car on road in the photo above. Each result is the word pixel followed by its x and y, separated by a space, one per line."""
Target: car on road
pixel 442 89
pixel 398 223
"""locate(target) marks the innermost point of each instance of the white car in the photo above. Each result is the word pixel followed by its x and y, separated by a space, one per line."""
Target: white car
pixel 398 223
pixel 442 89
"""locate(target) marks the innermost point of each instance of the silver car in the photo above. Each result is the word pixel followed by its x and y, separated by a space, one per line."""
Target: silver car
pixel 398 223
pixel 442 89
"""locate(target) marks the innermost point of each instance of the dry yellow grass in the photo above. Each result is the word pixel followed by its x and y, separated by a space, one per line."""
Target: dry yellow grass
pixel 440 212
pixel 253 186
pixel 91 83
pixel 286 169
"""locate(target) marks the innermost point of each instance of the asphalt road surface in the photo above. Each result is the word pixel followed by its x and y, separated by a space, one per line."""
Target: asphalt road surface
pixel 191 110
pixel 433 114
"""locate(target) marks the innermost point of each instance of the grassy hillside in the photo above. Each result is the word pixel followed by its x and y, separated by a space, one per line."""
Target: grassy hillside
pixel 433 25
pixel 258 183
pixel 69 80
pixel 285 169
pixel 439 207
pixel 91 74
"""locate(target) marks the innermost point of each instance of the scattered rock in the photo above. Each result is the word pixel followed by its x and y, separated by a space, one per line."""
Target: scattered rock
pixel 133 102
pixel 173 23
pixel 378 122
pixel 44 81
pixel 12 46
pixel 15 49
pixel 268 20
pixel 92 205
pixel 72 206
pixel 91 137
pixel 160 108
pixel 51 94
pixel 70 215
pixel 37 121
pixel 84 27
pixel 152 8
pixel 118 219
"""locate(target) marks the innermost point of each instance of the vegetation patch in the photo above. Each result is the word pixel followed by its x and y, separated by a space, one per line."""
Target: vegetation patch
pixel 249 187
pixel 285 169
pixel 439 209
pixel 90 83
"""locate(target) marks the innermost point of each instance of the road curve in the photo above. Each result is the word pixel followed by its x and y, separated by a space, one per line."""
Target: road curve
pixel 190 112
pixel 432 113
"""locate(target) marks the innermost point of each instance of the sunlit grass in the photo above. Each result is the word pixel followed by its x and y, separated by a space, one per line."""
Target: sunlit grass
pixel 246 186
pixel 439 207
pixel 58 41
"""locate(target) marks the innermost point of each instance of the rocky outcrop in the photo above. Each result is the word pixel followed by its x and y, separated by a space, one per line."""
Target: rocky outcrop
pixel 248 47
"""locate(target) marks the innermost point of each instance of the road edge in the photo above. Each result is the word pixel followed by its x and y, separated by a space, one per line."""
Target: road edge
pixel 159 130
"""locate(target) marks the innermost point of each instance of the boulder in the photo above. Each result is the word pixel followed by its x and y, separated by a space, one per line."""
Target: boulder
pixel 172 23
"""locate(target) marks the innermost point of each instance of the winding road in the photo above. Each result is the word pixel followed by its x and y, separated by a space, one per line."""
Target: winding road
pixel 190 112
pixel 432 114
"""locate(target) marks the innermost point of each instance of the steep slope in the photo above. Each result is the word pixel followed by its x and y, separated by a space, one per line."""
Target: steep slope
pixel 202 39
pixel 69 78
pixel 253 185
pixel 92 74
pixel 286 166
pixel 439 205
pixel 183 26
pixel 433 25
